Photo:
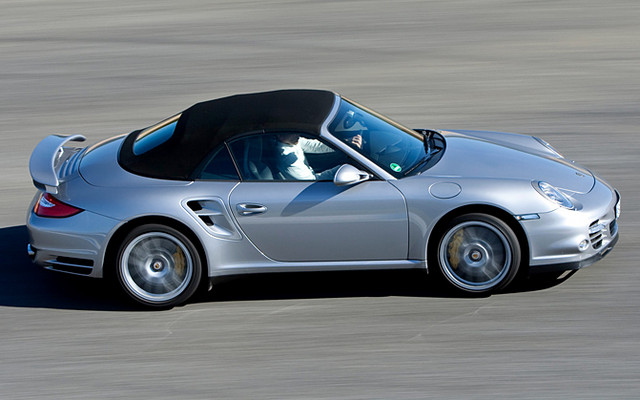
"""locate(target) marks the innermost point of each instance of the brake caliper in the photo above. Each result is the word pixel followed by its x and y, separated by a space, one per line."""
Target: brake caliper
pixel 454 247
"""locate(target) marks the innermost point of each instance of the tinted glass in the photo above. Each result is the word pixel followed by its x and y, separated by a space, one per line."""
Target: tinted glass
pixel 219 166
pixel 155 135
pixel 391 146
pixel 286 157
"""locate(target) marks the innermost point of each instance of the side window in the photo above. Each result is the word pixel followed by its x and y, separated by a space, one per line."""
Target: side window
pixel 154 136
pixel 255 157
pixel 219 166
pixel 286 156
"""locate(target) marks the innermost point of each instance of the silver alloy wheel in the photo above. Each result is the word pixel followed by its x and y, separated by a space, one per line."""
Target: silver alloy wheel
pixel 156 267
pixel 475 256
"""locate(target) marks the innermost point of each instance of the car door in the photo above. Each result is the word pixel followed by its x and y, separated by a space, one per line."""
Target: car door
pixel 315 220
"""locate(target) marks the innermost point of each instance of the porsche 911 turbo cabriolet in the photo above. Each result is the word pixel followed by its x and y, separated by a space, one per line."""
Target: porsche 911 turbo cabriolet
pixel 307 180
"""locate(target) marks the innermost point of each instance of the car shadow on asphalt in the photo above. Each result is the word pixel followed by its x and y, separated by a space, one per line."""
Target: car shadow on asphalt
pixel 401 283
pixel 23 284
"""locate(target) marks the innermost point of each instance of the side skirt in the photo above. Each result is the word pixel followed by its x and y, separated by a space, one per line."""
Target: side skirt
pixel 274 267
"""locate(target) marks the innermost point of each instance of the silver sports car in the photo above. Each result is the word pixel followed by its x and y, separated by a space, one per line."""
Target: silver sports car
pixel 307 180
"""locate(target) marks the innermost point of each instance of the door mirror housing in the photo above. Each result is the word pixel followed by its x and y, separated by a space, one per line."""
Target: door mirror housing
pixel 350 175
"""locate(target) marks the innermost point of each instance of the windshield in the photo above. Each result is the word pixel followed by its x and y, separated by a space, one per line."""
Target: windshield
pixel 396 149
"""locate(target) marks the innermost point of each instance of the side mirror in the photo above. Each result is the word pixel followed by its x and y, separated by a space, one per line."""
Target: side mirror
pixel 349 175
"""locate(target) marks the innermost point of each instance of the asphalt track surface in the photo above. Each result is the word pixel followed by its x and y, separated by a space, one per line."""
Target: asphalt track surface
pixel 567 71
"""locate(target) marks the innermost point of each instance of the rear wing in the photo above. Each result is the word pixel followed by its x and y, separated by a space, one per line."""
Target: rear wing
pixel 48 159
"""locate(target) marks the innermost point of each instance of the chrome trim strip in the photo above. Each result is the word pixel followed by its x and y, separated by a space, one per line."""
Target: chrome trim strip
pixel 67 268
pixel 527 217
pixel 596 228
pixel 51 268
pixel 30 251
pixel 64 264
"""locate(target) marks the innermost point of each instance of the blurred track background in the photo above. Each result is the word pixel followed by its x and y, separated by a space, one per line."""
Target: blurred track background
pixel 567 71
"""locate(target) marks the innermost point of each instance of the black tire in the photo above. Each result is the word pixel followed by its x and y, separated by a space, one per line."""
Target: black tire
pixel 477 253
pixel 158 266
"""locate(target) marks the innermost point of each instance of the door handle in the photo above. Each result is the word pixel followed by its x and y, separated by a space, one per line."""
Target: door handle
pixel 250 209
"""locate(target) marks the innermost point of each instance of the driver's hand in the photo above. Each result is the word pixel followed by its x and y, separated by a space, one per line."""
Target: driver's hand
pixel 357 141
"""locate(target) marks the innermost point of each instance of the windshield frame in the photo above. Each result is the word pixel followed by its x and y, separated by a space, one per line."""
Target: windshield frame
pixel 385 119
pixel 410 153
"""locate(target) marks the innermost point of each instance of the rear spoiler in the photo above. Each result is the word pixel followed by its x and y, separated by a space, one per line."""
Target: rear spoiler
pixel 48 158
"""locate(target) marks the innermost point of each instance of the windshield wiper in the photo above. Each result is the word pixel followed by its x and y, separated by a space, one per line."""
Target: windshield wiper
pixel 429 147
pixel 429 143
pixel 416 165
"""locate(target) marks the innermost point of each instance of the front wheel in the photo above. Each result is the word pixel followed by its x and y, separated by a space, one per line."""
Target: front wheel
pixel 478 253
pixel 158 266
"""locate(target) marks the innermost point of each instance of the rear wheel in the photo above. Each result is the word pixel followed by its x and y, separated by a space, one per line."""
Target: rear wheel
pixel 478 253
pixel 158 266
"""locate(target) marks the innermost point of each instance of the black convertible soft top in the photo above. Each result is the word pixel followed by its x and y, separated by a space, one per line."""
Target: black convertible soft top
pixel 205 125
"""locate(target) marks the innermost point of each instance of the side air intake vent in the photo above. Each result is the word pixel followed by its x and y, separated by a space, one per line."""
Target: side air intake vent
pixel 213 215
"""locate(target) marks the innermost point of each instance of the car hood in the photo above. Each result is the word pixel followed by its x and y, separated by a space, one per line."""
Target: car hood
pixel 496 155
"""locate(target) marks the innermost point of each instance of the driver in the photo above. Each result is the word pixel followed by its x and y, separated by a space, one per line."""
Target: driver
pixel 292 162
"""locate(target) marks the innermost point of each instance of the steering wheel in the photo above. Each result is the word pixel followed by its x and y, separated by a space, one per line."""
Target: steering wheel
pixel 349 121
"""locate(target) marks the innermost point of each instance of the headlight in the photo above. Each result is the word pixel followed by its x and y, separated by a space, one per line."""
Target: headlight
pixel 553 194
pixel 548 147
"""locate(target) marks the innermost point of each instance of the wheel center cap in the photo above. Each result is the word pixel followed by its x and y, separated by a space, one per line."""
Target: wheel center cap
pixel 157 266
pixel 476 255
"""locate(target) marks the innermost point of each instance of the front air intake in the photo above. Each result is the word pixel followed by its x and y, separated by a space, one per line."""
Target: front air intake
pixel 595 234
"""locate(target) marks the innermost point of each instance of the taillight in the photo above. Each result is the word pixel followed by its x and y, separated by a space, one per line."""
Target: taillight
pixel 49 206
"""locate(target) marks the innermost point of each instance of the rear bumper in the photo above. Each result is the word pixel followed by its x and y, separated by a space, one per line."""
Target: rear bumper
pixel 74 245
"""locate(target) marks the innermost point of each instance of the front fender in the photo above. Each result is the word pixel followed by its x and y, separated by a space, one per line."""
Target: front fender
pixel 514 197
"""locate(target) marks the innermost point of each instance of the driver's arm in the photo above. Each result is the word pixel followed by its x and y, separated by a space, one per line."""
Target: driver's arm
pixel 313 146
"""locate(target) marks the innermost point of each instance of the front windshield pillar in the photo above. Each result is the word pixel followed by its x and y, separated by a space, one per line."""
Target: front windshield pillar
pixel 375 169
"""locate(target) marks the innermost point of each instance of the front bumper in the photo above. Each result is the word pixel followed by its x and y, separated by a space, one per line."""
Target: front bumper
pixel 572 239
pixel 576 264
